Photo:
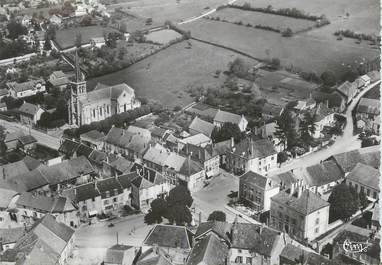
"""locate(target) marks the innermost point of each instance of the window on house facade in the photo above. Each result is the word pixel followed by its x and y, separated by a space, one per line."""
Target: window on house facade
pixel 374 194
pixel 107 194
pixel 248 260
pixel 105 202
pixel 317 221
pixel 94 113
pixel 100 111
pixel 368 192
pixel 93 199
pixel 115 192
pixel 114 199
pixel 239 259
pixel 362 189
pixel 108 109
pixel 316 230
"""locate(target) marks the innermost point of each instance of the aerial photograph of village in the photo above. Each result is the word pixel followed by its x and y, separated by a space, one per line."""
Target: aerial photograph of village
pixel 190 132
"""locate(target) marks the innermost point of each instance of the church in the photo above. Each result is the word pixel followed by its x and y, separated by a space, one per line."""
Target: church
pixel 99 104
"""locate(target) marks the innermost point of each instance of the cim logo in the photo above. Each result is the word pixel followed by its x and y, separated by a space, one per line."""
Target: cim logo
pixel 355 247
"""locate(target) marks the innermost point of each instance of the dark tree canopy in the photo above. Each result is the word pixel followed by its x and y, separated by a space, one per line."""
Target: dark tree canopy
pixel 217 216
pixel 15 29
pixel 328 78
pixel 158 210
pixel 227 131
pixel 344 202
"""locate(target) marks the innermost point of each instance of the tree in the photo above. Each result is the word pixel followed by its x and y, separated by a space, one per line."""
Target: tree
pixel 179 200
pixel 239 67
pixel 123 27
pixel 86 21
pixel 282 157
pixel 328 78
pixel 307 128
pixel 226 132
pixel 157 211
pixel 275 63
pixel 368 141
pixel 15 29
pixel 78 41
pixel 285 130
pixel 287 32
pixel 217 216
pixel 344 202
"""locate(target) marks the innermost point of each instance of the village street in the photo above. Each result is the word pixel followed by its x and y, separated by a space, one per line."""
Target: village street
pixel 344 143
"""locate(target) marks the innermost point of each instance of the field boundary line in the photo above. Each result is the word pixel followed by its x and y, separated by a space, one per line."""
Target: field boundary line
pixel 228 48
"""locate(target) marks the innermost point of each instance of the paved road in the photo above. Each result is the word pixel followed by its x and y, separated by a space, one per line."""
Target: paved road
pixel 344 143
pixel 41 137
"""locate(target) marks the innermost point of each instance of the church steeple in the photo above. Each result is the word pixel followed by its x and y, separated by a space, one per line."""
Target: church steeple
pixel 77 92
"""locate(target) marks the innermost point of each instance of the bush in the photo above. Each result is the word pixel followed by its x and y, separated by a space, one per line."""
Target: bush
pixel 287 32
pixel 217 216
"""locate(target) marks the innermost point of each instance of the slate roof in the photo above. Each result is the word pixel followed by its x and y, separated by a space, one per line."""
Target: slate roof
pixel 253 237
pixel 201 126
pixel 27 181
pixel 307 203
pixel 102 92
pixel 109 184
pixel 39 202
pixel 129 139
pixel 92 135
pixel 126 179
pixel 197 139
pixel 322 111
pixel 190 167
pixel 258 180
pixel 209 251
pixel 227 117
pixel 27 139
pixel 84 150
pixel 158 132
pixel 29 109
pixel 11 235
pixel 121 164
pixel 115 254
pixel 203 110
pixel 254 148
pixel 271 109
pixel 285 179
pixel 141 183
pixel 222 147
pixel 86 192
pixel 347 89
pixel 169 236
pixel 348 160
pixel 200 154
pixel 31 163
pixel 43 244
pixel 152 257
pixel 9 171
pixel 323 173
pixel 369 106
pixel 6 197
pixel 222 229
pixel 68 147
pixel 292 253
pixel 365 175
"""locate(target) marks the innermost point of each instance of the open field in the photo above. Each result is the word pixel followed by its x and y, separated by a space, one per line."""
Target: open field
pixel 302 51
pixel 167 75
pixel 162 10
pixel 258 18
pixel 66 38
pixel 163 36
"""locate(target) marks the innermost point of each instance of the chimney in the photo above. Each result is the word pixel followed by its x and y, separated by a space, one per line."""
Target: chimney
pixel 299 192
pixel 232 142
pixel 327 103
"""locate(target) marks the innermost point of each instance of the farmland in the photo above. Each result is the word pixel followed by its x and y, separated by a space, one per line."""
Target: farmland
pixel 257 18
pixel 167 75
pixel 302 51
pixel 66 38
pixel 163 36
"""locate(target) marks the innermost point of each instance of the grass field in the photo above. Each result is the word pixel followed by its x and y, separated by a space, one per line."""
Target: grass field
pixel 162 10
pixel 66 38
pixel 303 51
pixel 258 18
pixel 167 75
pixel 163 36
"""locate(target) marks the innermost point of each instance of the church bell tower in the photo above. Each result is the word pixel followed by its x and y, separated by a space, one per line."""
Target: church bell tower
pixel 77 92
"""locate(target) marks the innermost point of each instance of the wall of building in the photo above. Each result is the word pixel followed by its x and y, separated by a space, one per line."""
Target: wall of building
pixel 316 223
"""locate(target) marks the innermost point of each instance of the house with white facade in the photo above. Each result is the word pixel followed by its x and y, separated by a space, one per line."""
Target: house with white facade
pixel 26 89
pixel 222 117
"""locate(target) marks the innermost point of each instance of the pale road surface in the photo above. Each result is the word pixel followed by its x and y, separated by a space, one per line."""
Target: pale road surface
pixel 344 143
pixel 41 137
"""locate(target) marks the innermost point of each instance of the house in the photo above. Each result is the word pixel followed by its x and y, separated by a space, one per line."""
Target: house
pixel 36 247
pixel 248 243
pixel 192 175
pixel 203 111
pixel 112 195
pixel 364 81
pixel 267 131
pixel 88 199
pixel 368 115
pixel 131 143
pixel 293 255
pixel 97 42
pixel 222 117
pixel 301 214
pixel 348 160
pixel 375 223
pixel 146 187
pixel 287 181
pixel 27 143
pixel 59 80
pixel 210 250
pixel 371 245
pixel 93 138
pixel 26 89
pixel 364 178
pixel 322 177
pixel 196 139
pixel 30 114
pixel 257 190
pixel 206 156
pixel 374 76
pixel 174 241
pixel 11 170
pixel 3 106
pixel 158 134
pixel 10 236
pixel 120 255
pixel 200 126
pixel 348 91
pixel 256 155
pixel 115 166
pixel 7 219
pixel 154 256
pixel 323 116
pixel 30 207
